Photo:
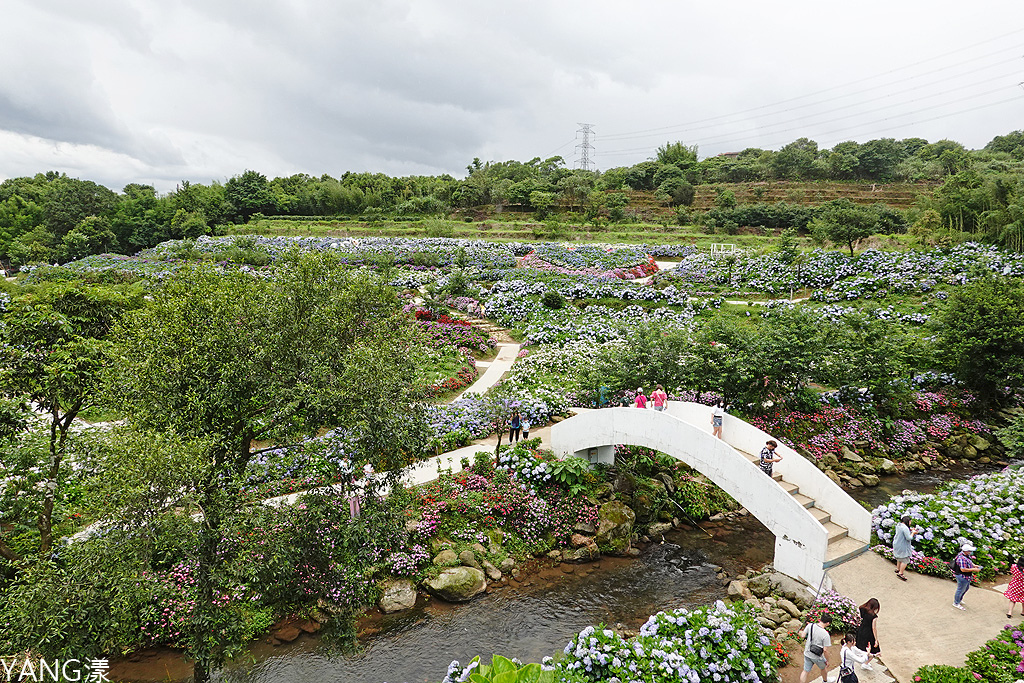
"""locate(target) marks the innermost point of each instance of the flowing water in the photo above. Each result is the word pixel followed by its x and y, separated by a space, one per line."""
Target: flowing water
pixel 533 619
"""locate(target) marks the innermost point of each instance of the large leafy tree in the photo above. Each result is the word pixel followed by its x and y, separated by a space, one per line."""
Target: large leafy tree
pixel 52 349
pixel 843 222
pixel 249 193
pixel 232 361
pixel 981 336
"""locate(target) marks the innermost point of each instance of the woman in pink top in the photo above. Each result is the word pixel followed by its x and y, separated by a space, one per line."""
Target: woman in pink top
pixel 660 398
pixel 640 401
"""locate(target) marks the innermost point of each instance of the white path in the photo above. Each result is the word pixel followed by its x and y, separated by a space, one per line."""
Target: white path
pixel 495 370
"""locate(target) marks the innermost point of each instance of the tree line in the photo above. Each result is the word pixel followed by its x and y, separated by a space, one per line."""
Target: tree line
pixel 52 217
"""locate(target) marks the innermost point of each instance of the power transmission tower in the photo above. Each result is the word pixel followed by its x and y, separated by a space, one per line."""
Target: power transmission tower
pixel 585 147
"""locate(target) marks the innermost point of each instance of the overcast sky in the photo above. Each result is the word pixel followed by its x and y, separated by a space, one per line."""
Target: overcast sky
pixel 120 91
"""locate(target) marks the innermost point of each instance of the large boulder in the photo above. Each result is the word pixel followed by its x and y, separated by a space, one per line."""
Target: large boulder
pixel 869 479
pixel 850 455
pixel 399 594
pixel 457 584
pixel 492 572
pixel 737 590
pixel 587 553
pixel 614 527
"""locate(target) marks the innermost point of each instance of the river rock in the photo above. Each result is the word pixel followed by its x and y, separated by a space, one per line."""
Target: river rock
pixel 766 622
pixel 579 540
pixel 446 557
pixel 850 455
pixel 669 483
pixel 793 610
pixel 507 565
pixel 792 626
pixel 399 594
pixel 492 572
pixel 737 590
pixel 585 528
pixel 614 527
pixel 457 584
pixel 833 476
pixel 795 592
pixel 659 528
pixel 777 616
pixel 830 460
pixel 970 452
pixel 587 553
pixel 468 559
pixel 888 466
pixel 869 479
pixel 761 586
pixel 624 483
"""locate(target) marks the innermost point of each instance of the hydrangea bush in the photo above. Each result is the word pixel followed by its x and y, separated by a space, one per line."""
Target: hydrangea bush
pixel 842 611
pixel 986 511
pixel 720 642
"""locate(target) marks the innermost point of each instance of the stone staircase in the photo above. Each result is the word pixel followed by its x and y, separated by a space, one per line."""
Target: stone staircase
pixel 840 546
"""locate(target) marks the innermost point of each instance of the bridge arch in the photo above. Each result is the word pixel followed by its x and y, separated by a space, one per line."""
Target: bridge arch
pixel 807 534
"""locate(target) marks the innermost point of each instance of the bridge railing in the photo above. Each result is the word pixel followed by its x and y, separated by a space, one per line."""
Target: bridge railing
pixel 794 468
pixel 800 540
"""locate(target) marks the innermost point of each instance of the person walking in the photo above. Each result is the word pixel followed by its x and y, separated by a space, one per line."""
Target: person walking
pixel 525 422
pixel 514 425
pixel 769 456
pixel 1015 591
pixel 818 640
pixel 963 567
pixel 659 398
pixel 717 415
pixel 848 654
pixel 640 401
pixel 902 547
pixel 867 632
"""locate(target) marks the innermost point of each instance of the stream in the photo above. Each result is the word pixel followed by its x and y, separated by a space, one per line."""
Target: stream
pixel 529 620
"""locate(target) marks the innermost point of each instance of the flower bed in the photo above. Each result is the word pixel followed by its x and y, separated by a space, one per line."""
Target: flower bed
pixel 619 262
pixel 842 611
pixel 722 643
pixel 986 511
pixel 923 564
pixel 1000 660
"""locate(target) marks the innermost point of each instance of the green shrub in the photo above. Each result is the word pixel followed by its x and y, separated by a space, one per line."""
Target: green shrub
pixel 552 299
pixel 941 673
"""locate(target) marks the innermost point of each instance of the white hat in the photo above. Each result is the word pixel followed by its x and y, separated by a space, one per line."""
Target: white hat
pixel 968 548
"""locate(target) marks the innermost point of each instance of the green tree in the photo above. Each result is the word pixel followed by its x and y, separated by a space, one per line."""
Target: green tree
pixel 677 154
pixel 843 222
pixel 52 347
pixel 981 336
pixel 231 360
pixel 250 193
pixel 795 160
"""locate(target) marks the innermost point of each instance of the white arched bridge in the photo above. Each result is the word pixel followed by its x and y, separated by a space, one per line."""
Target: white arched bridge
pixel 816 524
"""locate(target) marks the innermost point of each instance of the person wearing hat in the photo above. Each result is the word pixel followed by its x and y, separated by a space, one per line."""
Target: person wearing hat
pixel 963 567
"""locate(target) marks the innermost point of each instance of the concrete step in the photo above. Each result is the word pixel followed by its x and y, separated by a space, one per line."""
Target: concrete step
pixel 791 489
pixel 800 498
pixel 821 515
pixel 842 550
pixel 835 532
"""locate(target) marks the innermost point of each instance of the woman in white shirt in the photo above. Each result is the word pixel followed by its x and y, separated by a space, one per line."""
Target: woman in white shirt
pixel 848 654
pixel 717 415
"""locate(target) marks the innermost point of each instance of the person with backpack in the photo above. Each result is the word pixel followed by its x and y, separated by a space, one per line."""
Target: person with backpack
pixel 963 566
pixel 640 401
pixel 818 640
pixel 659 398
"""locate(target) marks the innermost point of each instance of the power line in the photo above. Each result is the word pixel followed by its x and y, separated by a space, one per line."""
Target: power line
pixel 650 132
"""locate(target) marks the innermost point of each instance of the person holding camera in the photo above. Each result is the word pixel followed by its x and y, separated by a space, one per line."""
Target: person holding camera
pixel 902 546
pixel 963 567
pixel 818 640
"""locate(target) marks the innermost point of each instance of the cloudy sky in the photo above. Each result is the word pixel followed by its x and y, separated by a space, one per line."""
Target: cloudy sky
pixel 120 91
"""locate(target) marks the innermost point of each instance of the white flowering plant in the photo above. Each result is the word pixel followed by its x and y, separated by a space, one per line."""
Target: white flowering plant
pixel 721 643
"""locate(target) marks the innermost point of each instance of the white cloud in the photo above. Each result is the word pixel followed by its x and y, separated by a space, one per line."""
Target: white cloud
pixel 134 91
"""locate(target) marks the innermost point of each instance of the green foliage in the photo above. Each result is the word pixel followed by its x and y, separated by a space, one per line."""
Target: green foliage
pixel 844 223
pixel 572 474
pixel 943 673
pixel 981 336
pixel 552 299
pixel 1012 437
pixel 438 228
pixel 502 670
